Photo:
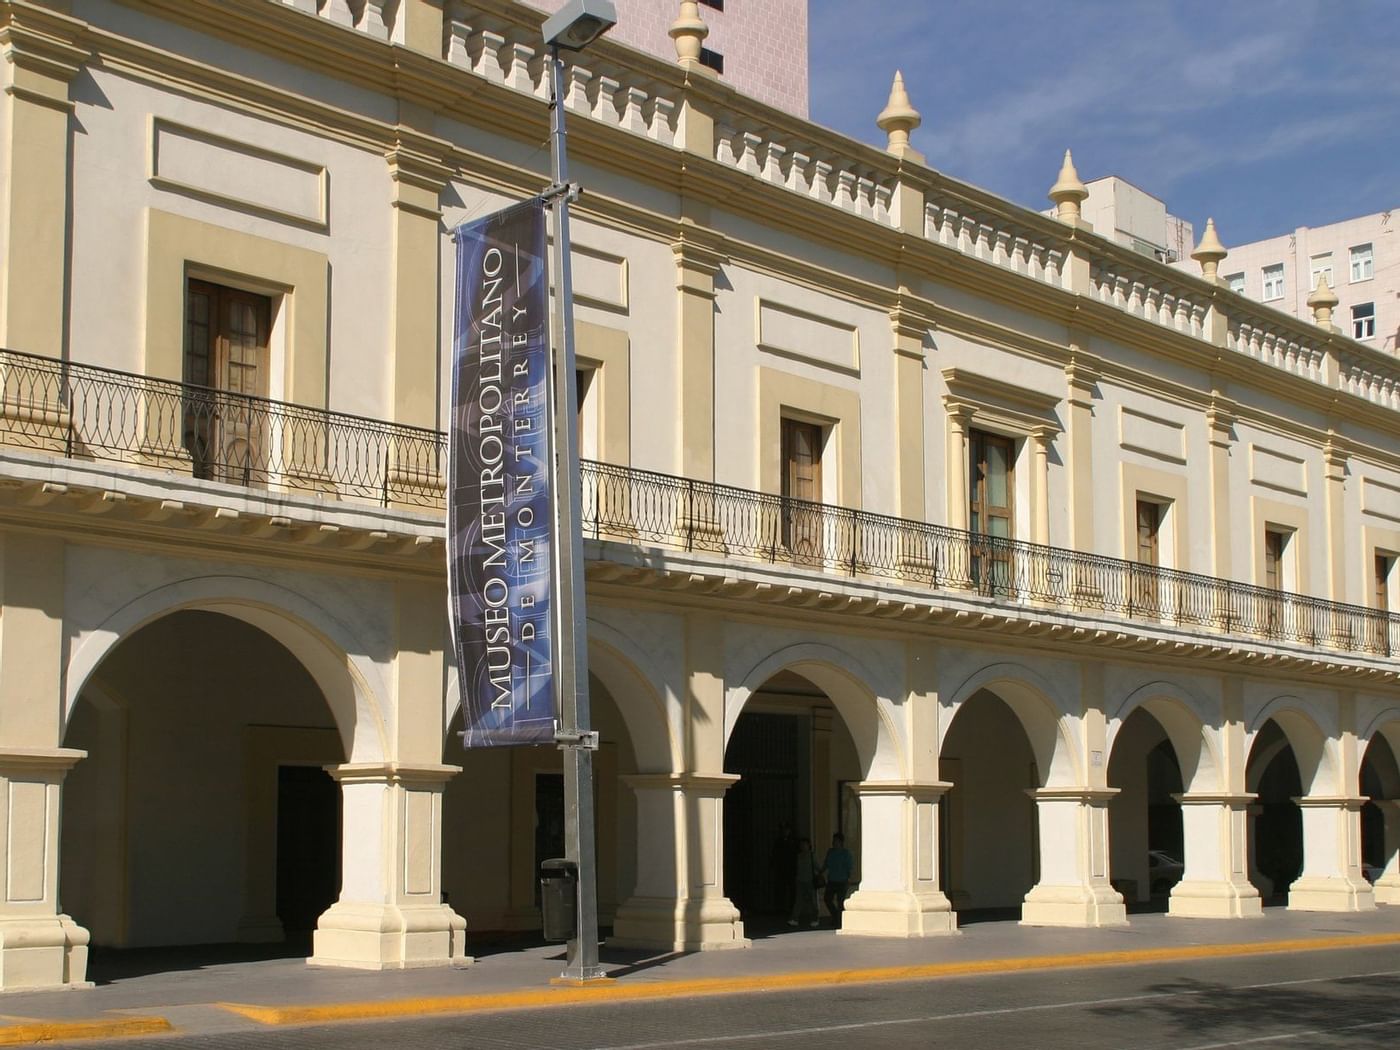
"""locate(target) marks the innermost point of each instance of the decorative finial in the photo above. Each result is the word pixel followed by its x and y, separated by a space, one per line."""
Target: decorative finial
pixel 689 31
pixel 1209 253
pixel 898 119
pixel 1068 193
pixel 1322 301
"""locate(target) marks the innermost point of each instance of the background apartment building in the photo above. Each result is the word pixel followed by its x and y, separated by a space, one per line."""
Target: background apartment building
pixel 909 513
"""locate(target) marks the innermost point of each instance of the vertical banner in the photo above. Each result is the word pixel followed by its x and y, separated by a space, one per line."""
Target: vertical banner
pixel 499 511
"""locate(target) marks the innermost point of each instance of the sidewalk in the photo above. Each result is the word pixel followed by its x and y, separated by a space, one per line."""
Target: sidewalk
pixel 213 994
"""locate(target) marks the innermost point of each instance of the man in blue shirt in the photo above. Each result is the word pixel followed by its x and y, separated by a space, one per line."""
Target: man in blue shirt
pixel 837 866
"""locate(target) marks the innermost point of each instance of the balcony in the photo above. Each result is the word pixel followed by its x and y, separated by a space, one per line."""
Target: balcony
pixel 81 412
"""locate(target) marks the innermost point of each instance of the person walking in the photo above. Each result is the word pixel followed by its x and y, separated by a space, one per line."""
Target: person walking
pixel 837 867
pixel 804 886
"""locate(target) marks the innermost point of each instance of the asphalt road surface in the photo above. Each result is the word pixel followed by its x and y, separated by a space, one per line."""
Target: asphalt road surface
pixel 1347 998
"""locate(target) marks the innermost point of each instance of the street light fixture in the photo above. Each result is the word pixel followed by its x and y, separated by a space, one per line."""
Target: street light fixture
pixel 576 25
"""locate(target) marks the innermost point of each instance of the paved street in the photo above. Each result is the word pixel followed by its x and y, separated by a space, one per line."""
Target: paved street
pixel 1344 998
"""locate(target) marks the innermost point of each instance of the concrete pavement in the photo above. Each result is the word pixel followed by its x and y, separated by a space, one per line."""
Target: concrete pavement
pixel 204 992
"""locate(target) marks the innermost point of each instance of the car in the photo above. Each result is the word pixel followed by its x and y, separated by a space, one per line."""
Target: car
pixel 1163 871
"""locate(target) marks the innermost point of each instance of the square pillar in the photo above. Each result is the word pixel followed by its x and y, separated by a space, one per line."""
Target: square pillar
pixel 39 946
pixel 679 903
pixel 390 914
pixel 1216 881
pixel 1331 878
pixel 1387 887
pixel 1074 889
pixel 899 894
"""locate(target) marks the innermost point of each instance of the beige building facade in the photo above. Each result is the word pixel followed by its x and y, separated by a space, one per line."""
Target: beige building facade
pixel 909 513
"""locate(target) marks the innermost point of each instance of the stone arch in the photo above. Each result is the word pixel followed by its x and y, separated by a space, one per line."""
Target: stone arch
pixel 331 654
pixel 844 680
pixel 1386 724
pixel 632 683
pixel 1035 703
pixel 1180 714
pixel 1313 747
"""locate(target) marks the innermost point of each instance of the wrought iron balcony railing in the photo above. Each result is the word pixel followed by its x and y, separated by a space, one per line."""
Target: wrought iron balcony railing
pixel 85 412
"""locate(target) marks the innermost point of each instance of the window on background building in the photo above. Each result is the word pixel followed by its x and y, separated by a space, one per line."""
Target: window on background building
pixel 1363 321
pixel 226 351
pixel 1322 267
pixel 712 59
pixel 1385 569
pixel 1235 281
pixel 1362 263
pixel 802 487
pixel 991 479
pixel 1273 282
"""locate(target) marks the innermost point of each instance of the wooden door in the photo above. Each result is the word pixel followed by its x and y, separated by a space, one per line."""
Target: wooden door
pixel 992 483
pixel 802 489
pixel 226 356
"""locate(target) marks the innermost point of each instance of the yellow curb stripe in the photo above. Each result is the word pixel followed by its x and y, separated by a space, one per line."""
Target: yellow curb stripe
pixel 97 1028
pixel 613 991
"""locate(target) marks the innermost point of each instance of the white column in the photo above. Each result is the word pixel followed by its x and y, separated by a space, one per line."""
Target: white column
pixel 1074 889
pixel 39 946
pixel 1216 882
pixel 390 914
pixel 1387 887
pixel 899 893
pixel 679 903
pixel 1331 878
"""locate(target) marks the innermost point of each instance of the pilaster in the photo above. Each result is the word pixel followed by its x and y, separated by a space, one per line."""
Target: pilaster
pixel 679 903
pixel 909 330
pixel 899 893
pixel 1080 378
pixel 39 946
pixel 418 177
pixel 1042 438
pixel 1334 459
pixel 1220 422
pixel 698 259
pixel 1074 889
pixel 390 914
pixel 41 58
pixel 1215 885
pixel 959 423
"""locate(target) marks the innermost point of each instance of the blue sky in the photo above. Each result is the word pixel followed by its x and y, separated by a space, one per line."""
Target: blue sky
pixel 1267 116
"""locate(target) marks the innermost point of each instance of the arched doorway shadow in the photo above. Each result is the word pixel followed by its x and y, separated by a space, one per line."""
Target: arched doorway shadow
pixel 1380 815
pixel 1276 777
pixel 1145 827
pixel 797 766
pixel 202 815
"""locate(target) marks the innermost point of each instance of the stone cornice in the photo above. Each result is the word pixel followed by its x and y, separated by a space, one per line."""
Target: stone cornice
pixel 632 573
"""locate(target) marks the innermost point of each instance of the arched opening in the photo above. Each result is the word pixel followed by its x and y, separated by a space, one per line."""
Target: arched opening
pixel 503 815
pixel 798 766
pixel 1273 773
pixel 1145 827
pixel 988 757
pixel 203 814
pixel 1380 815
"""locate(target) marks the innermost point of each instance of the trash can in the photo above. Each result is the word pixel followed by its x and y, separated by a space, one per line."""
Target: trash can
pixel 559 899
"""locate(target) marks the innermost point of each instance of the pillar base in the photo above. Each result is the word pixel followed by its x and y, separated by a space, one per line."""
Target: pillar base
pixel 387 937
pixel 896 913
pixel 1387 891
pixel 50 951
pixel 1215 900
pixel 1085 905
pixel 1331 894
pixel 703 925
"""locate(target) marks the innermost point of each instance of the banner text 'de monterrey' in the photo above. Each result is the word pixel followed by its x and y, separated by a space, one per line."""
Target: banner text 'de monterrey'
pixel 499 523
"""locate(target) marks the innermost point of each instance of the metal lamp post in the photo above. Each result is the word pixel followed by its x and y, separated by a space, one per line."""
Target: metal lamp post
pixel 572 28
